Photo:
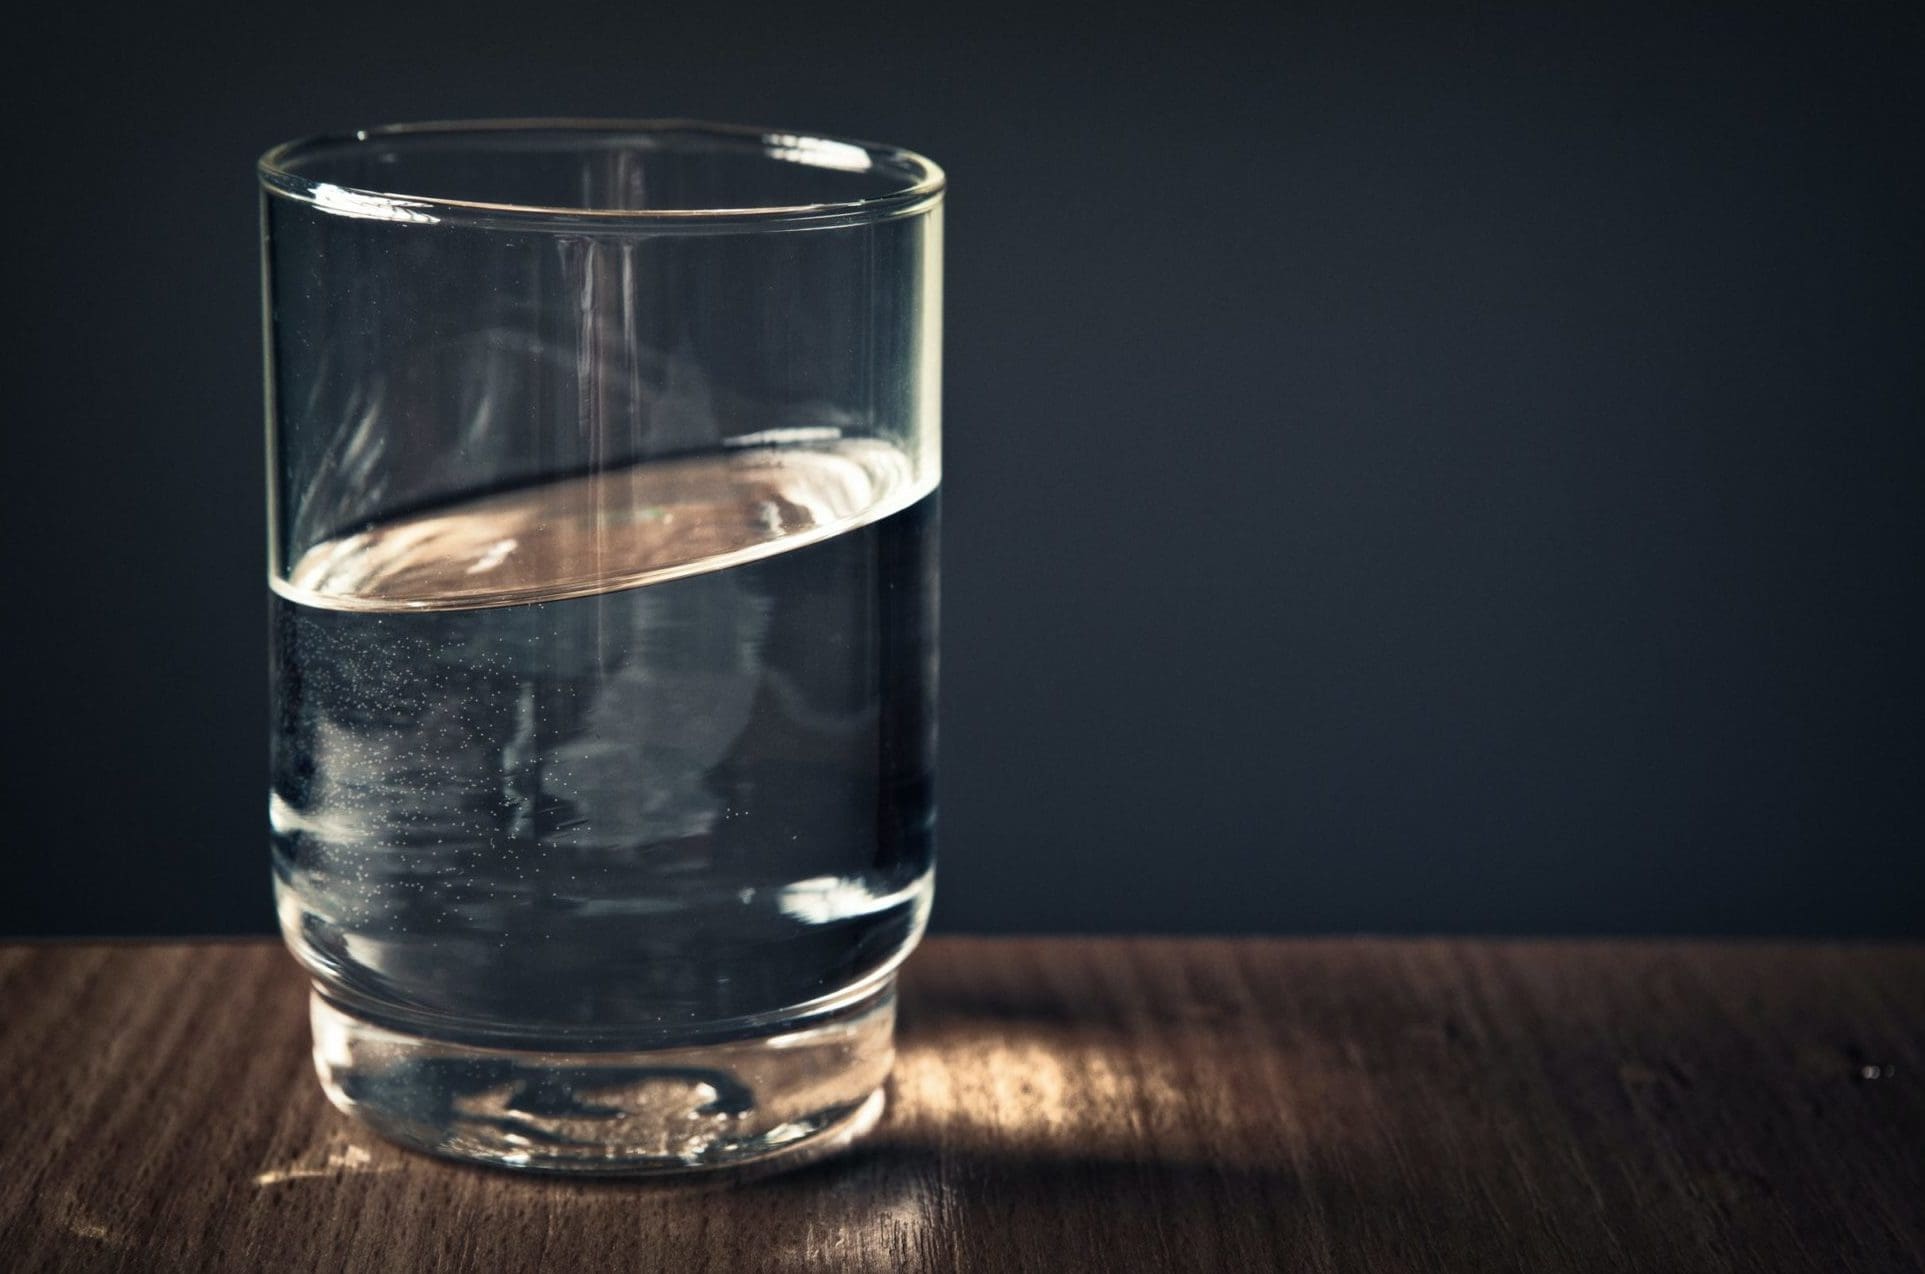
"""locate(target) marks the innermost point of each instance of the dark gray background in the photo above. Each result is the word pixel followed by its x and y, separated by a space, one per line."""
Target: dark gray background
pixel 1445 469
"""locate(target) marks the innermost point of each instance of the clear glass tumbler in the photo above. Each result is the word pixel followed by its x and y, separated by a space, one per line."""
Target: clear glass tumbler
pixel 602 510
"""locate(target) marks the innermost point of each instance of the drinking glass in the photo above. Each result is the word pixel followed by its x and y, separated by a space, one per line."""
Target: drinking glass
pixel 603 464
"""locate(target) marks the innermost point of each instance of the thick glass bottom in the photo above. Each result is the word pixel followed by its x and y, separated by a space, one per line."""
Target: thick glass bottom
pixel 783 1097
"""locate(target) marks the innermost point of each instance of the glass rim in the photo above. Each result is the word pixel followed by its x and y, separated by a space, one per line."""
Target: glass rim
pixel 924 188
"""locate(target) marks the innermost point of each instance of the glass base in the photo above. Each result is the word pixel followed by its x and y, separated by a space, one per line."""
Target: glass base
pixel 783 1097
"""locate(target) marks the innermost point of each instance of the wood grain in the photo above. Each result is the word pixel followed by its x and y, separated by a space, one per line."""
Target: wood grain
pixel 1058 1105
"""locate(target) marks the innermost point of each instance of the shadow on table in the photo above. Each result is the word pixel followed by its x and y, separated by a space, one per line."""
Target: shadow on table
pixel 917 1206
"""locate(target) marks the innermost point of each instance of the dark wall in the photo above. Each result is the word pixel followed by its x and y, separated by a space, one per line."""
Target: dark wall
pixel 1429 470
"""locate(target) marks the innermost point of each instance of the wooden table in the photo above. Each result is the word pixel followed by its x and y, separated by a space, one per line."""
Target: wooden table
pixel 1058 1105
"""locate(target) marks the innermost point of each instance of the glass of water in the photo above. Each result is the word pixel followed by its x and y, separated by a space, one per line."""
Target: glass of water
pixel 603 465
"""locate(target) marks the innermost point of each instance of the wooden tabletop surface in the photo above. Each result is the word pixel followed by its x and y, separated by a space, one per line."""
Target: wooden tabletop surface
pixel 1058 1105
